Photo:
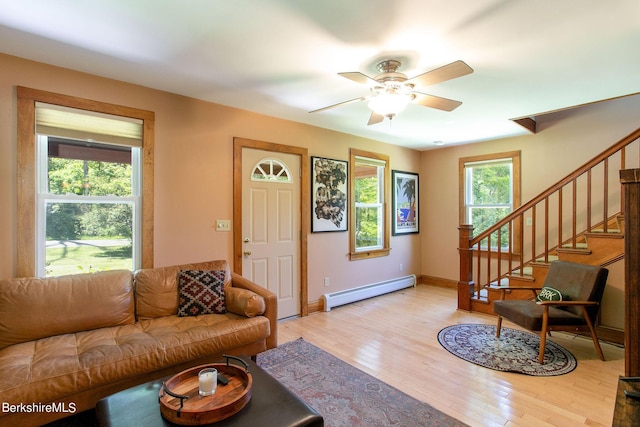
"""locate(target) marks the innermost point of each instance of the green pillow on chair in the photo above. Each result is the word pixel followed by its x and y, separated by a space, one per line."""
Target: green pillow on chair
pixel 549 294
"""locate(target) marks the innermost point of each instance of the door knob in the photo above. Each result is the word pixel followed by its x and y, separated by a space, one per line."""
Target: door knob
pixel 247 253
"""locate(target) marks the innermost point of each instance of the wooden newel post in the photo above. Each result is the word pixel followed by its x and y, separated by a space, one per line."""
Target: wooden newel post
pixel 630 180
pixel 465 284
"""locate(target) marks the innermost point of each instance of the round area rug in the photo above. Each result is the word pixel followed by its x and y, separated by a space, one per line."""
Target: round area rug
pixel 515 350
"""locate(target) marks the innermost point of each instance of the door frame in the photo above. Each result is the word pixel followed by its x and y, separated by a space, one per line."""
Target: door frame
pixel 305 219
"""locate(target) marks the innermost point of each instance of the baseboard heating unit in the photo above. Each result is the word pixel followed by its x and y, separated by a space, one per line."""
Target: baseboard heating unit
pixel 335 299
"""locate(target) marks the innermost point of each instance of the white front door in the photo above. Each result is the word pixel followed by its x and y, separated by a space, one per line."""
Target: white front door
pixel 271 225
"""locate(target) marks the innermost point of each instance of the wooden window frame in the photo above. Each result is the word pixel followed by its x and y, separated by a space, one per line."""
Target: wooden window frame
pixel 26 156
pixel 516 183
pixel 384 251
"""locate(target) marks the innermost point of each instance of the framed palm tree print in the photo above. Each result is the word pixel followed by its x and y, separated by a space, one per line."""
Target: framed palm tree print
pixel 405 203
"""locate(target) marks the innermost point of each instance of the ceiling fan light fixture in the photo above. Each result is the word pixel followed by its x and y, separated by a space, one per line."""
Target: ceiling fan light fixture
pixel 391 90
pixel 390 101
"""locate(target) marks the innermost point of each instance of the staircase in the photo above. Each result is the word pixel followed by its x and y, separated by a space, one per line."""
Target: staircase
pixel 577 219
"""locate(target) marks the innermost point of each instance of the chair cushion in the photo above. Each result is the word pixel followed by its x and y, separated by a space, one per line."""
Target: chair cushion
pixel 577 282
pixel 528 314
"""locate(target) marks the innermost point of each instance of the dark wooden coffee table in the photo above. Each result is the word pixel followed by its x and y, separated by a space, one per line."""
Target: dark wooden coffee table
pixel 271 405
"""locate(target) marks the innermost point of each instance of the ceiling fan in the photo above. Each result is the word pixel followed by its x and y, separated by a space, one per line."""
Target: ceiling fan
pixel 391 90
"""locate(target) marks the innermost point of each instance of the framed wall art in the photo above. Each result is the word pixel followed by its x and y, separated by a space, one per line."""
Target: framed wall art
pixel 328 195
pixel 405 203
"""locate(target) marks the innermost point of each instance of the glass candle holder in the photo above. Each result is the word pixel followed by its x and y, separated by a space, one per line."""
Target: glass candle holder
pixel 207 381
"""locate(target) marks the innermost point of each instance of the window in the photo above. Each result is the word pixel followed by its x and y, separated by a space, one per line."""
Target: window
pixel 490 190
pixel 85 181
pixel 88 206
pixel 369 219
pixel 272 170
pixel 88 193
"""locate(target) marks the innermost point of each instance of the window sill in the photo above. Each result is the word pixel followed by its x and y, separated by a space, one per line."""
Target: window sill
pixel 353 256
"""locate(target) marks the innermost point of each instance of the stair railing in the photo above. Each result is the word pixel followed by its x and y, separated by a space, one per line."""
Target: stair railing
pixel 577 204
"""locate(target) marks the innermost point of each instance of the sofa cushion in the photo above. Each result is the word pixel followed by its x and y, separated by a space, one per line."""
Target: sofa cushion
pixel 201 292
pixel 244 302
pixel 33 308
pixel 157 288
pixel 55 367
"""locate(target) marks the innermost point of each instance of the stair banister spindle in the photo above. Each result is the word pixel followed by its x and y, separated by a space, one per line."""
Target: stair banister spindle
pixel 533 236
pixel 560 216
pixel 589 200
pixel 510 247
pixel 574 214
pixel 623 163
pixel 546 229
pixel 479 264
pixel 488 259
pixel 499 236
pixel 605 200
pixel 521 251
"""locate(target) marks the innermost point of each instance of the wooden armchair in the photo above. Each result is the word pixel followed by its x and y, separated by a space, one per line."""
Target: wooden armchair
pixel 581 287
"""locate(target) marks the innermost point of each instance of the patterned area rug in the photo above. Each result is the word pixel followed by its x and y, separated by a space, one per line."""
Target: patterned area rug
pixel 515 351
pixel 344 395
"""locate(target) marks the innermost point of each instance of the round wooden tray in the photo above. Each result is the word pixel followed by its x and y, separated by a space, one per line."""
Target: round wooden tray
pixel 181 403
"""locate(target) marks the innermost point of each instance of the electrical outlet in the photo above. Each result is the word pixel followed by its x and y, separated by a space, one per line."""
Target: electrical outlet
pixel 326 282
pixel 223 225
pixel 401 267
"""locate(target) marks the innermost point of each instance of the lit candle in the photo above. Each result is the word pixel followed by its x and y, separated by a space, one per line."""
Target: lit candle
pixel 207 381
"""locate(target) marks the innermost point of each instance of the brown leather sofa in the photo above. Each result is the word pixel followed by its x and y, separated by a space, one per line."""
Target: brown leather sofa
pixel 69 341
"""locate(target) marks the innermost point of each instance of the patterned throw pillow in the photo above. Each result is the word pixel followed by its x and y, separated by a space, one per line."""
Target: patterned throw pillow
pixel 549 294
pixel 201 292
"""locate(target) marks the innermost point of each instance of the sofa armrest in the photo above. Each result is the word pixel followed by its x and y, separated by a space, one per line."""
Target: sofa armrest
pixel 271 304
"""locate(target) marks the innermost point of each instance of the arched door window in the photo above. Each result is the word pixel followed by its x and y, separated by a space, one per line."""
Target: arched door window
pixel 271 170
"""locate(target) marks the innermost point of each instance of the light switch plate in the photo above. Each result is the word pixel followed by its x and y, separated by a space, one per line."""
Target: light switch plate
pixel 223 225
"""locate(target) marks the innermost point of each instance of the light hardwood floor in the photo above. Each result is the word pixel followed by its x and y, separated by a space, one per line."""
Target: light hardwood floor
pixel 394 338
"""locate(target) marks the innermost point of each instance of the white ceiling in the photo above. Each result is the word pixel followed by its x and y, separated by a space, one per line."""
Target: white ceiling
pixel 281 57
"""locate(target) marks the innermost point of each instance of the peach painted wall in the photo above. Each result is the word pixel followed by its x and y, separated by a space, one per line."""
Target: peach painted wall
pixel 193 173
pixel 565 141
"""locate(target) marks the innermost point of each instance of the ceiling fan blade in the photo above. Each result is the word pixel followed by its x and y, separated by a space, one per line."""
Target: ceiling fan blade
pixel 446 72
pixel 436 102
pixel 339 104
pixel 358 77
pixel 375 118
